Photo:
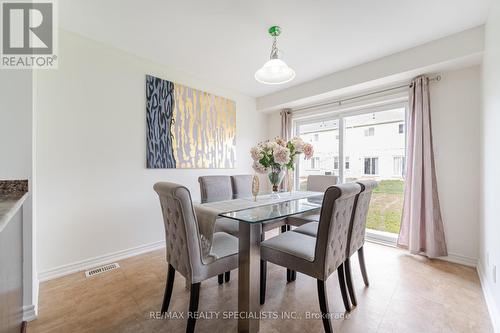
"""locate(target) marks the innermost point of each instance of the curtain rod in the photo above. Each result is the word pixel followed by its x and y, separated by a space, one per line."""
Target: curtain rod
pixel 340 101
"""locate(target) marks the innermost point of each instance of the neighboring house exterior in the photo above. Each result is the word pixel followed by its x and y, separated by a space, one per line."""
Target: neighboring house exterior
pixel 374 146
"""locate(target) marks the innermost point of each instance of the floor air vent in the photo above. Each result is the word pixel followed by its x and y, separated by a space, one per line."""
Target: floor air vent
pixel 101 269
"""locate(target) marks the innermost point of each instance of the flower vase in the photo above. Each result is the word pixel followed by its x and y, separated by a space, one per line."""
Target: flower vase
pixel 275 177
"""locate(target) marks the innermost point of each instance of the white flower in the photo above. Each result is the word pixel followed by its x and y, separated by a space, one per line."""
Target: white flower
pixel 271 145
pixel 281 155
pixel 280 141
pixel 298 143
pixel 256 153
pixel 259 168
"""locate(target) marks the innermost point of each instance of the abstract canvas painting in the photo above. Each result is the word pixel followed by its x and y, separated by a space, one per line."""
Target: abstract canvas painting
pixel 188 128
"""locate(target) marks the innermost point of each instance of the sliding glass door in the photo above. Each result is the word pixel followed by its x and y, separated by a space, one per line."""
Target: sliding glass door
pixel 368 144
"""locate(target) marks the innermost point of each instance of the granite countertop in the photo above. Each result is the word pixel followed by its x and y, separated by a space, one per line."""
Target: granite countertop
pixel 12 196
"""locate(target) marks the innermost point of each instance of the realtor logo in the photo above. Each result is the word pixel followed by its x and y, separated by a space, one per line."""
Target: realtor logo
pixel 28 35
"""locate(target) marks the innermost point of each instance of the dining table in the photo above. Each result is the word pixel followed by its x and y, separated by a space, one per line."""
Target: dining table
pixel 251 213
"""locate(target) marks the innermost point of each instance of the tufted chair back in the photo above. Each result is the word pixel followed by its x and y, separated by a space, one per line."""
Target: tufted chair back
pixel 215 188
pixel 242 186
pixel 358 225
pixel 181 228
pixel 320 183
pixel 333 229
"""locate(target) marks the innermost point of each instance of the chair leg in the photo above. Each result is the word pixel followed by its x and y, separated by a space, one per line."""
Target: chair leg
pixel 227 276
pixel 221 278
pixel 343 289
pixel 263 278
pixel 323 305
pixel 168 288
pixel 348 278
pixel 361 257
pixel 193 307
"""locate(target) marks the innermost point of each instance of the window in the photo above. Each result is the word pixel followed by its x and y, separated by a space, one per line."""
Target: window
pixel 315 163
pixel 398 165
pixel 356 156
pixel 401 128
pixel 370 131
pixel 371 165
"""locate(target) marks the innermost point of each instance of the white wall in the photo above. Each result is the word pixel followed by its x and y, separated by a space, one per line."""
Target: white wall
pixel 94 193
pixel 455 120
pixel 455 107
pixel 490 166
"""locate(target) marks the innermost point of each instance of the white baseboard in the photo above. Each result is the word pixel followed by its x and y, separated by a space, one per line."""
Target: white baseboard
pixel 490 301
pixel 460 259
pixel 97 261
pixel 29 313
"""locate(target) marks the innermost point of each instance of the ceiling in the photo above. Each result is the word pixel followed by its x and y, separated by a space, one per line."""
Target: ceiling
pixel 226 41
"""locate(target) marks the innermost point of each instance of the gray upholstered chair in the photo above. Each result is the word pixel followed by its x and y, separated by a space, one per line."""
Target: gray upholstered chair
pixel 219 188
pixel 215 188
pixel 242 186
pixel 316 183
pixel 356 237
pixel 319 256
pixel 193 250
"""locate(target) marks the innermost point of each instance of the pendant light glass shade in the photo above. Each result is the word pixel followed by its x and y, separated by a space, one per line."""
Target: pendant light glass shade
pixel 275 71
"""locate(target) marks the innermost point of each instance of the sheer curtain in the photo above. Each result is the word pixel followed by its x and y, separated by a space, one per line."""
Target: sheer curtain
pixel 422 229
pixel 286 133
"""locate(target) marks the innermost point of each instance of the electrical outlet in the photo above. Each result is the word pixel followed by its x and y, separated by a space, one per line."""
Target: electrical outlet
pixel 494 273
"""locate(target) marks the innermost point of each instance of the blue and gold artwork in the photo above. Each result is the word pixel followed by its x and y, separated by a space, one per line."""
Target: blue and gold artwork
pixel 188 128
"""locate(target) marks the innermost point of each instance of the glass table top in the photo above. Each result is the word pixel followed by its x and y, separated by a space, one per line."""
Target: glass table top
pixel 277 210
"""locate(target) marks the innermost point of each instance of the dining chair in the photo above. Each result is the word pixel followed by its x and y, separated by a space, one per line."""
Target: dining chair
pixel 356 234
pixel 316 183
pixel 319 256
pixel 242 186
pixel 219 188
pixel 193 250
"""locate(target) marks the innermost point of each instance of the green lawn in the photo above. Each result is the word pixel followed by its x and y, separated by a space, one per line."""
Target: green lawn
pixel 386 206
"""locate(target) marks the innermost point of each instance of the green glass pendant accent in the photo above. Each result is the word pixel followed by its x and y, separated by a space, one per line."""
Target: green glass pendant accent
pixel 274 31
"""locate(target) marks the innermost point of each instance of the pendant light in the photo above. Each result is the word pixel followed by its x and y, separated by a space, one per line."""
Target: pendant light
pixel 274 71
